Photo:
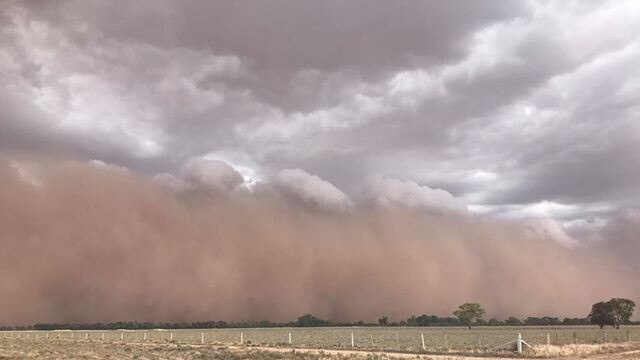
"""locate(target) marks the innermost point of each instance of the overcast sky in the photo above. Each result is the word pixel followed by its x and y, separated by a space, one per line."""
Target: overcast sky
pixel 511 108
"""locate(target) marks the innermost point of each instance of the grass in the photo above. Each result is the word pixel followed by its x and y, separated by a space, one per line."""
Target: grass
pixel 61 349
pixel 482 340
pixel 29 348
pixel 582 349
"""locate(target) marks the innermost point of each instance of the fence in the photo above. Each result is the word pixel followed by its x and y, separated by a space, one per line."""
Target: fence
pixel 411 339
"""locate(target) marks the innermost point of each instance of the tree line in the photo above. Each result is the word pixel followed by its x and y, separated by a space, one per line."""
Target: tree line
pixel 614 312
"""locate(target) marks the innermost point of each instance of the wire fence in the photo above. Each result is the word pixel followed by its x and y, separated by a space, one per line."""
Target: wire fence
pixel 407 339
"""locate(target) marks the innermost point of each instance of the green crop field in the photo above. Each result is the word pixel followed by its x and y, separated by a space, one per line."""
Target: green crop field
pixel 375 338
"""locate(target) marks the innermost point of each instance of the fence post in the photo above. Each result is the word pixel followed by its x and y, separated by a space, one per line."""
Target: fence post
pixel 479 341
pixel 171 336
pixel 289 338
pixel 202 338
pixel 575 338
pixel 241 338
pixel 122 336
pixel 353 344
pixel 627 335
pixel 144 338
pixel 423 346
pixel 548 339
pixel 519 343
pixel 86 335
pixel 446 341
pixel 102 336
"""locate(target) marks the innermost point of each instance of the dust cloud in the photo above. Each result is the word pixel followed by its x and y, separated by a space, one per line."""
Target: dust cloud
pixel 85 241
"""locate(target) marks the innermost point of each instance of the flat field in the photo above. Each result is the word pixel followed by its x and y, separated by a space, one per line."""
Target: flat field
pixel 27 348
pixel 404 339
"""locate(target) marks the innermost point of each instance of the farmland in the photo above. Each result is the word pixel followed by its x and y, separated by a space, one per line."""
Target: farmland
pixel 485 340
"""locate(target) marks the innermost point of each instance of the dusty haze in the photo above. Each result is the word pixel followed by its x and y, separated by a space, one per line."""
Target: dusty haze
pixel 84 241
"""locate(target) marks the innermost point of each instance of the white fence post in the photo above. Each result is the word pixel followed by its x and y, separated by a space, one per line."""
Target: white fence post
pixel 353 344
pixel 241 338
pixel 122 336
pixel 102 336
pixel 423 345
pixel 171 336
pixel 519 343
pixel 289 338
pixel 145 336
pixel 202 338
pixel 86 335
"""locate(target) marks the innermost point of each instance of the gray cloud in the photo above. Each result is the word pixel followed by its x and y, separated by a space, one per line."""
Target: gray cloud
pixel 393 192
pixel 516 110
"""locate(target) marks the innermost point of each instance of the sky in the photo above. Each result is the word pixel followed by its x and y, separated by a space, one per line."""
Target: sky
pixel 522 111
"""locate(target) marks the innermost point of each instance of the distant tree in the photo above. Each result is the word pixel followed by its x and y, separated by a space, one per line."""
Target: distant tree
pixel 621 310
pixel 513 321
pixel 576 321
pixel 221 324
pixel 468 313
pixel 494 322
pixel 602 314
pixel 542 321
pixel 309 320
pixel 383 321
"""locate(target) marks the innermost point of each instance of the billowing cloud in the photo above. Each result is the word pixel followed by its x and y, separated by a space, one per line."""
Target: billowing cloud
pixel 389 192
pixel 260 256
pixel 312 190
pixel 498 111
pixel 203 175
pixel 439 97
pixel 172 182
pixel 212 174
pixel 547 228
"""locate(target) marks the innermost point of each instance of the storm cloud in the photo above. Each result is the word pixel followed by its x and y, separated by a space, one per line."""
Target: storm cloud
pixel 499 117
pixel 88 241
